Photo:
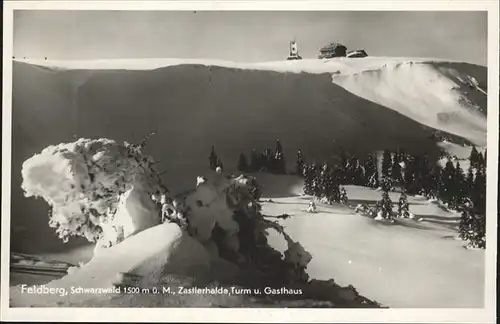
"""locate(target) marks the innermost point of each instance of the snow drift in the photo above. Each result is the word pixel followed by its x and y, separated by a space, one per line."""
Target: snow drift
pixel 237 107
pixel 149 254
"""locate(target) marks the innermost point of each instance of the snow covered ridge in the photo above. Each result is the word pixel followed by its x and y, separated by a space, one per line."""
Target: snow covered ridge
pixel 447 96
pixel 342 64
pixel 440 96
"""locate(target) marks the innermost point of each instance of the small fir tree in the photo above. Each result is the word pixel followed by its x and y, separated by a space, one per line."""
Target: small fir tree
pixel 386 184
pixel 343 195
pixel 403 206
pixel 447 182
pixel 465 228
pixel 323 180
pixel 385 206
pixel 308 180
pixel 396 168
pixel 386 164
pixel 474 157
pixel 460 186
pixel 343 166
pixel 317 181
pixel 332 191
pixel 479 196
pixel 279 159
pixel 370 169
pixel 300 163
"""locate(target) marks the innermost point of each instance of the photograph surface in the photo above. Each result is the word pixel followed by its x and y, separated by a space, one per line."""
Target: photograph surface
pixel 249 159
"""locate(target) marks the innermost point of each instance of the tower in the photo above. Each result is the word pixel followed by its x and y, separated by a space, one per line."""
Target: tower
pixel 294 51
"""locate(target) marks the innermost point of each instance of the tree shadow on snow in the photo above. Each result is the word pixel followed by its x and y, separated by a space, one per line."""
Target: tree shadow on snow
pixel 373 202
pixel 404 223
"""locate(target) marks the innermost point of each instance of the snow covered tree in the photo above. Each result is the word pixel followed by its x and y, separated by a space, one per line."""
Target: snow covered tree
pixel 426 176
pixel 384 206
pixel 418 174
pixel 481 162
pixel 309 179
pixel 434 181
pixel 323 180
pixel 357 173
pixel 370 170
pixel 386 184
pixel 279 159
pixel 403 206
pixel 472 226
pixel 213 158
pixel 332 191
pixel 460 186
pixel 446 188
pixel 242 163
pixel 479 193
pixel 386 164
pixel 465 231
pixel 478 237
pixel 255 189
pixel 396 168
pixel 469 181
pixel 300 164
pixel 92 183
pixel 343 195
pixel 373 181
pixel 474 157
pixel 317 181
pixel 312 207
pixel 343 167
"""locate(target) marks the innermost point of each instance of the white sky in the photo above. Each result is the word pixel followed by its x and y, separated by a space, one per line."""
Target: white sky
pixel 247 36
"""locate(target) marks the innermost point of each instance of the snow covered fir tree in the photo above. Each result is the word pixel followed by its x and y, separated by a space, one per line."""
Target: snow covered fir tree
pixel 413 174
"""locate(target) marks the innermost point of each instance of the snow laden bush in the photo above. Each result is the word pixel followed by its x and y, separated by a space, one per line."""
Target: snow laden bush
pixel 384 207
pixel 403 206
pixel 472 227
pixel 225 216
pixel 96 188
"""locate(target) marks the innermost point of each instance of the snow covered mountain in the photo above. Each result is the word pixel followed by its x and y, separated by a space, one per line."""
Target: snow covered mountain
pixel 362 104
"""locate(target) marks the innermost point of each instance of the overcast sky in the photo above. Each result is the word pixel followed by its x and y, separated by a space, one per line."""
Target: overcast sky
pixel 247 36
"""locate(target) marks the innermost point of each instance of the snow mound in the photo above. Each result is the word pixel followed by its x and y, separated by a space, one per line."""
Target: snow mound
pixel 426 92
pixel 148 255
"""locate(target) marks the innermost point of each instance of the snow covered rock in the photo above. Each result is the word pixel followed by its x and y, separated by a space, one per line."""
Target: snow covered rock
pixel 312 207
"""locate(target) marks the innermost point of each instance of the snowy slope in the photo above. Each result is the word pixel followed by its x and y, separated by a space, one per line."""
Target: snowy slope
pixel 194 104
pixel 409 264
pixel 430 91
